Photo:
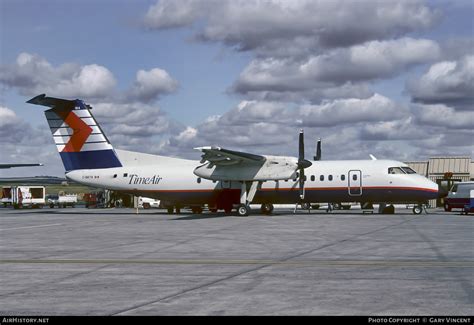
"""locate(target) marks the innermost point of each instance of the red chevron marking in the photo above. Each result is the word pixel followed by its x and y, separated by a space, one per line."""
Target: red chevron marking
pixel 80 130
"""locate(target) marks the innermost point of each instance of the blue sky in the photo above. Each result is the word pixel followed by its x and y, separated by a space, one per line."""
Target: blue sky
pixel 247 75
pixel 111 34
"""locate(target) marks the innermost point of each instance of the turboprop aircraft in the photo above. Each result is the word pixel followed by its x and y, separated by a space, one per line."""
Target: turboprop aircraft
pixel 224 179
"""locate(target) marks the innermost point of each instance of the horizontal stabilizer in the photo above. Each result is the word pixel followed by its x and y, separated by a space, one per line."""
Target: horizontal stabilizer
pixel 58 102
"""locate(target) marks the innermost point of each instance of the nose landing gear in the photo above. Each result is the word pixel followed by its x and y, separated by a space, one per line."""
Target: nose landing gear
pixel 418 209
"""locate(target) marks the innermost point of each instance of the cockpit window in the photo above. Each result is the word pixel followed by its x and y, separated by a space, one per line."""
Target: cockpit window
pixel 395 170
pixel 408 170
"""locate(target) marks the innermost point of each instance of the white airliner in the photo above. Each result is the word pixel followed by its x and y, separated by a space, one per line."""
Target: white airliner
pixel 224 179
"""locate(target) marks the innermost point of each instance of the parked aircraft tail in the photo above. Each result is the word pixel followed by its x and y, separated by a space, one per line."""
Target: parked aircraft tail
pixel 78 137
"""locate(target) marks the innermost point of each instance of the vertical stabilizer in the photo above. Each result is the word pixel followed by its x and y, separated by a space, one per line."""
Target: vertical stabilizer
pixel 80 141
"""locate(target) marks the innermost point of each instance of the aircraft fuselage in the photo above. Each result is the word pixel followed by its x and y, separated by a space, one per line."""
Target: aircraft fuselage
pixel 326 181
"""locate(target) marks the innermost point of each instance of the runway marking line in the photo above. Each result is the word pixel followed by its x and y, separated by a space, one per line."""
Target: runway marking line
pixel 29 227
pixel 370 263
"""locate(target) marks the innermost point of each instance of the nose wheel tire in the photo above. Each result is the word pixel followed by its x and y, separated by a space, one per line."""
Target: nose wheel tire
pixel 243 210
pixel 418 209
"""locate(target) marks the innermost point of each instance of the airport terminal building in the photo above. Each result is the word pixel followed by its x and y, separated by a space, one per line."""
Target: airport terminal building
pixel 445 171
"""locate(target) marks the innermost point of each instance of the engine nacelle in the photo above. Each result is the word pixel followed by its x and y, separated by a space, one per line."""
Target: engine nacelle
pixel 273 168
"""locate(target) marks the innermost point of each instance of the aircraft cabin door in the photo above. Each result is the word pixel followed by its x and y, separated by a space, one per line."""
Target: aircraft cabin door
pixel 355 183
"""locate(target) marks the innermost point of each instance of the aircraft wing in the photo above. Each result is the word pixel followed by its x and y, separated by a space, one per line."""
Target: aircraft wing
pixel 3 166
pixel 227 165
pixel 223 157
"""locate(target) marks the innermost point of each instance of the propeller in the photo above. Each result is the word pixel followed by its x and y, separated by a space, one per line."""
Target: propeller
pixel 302 164
pixel 318 150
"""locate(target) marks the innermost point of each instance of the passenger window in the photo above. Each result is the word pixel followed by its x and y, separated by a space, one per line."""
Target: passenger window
pixel 313 178
pixel 125 175
pixel 321 178
pixel 354 177
pixel 115 175
pixel 330 177
pixel 343 177
pixel 199 180
pixel 395 170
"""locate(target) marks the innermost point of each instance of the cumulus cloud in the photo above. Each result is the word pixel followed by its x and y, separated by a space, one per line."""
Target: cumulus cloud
pixel 402 129
pixel 32 75
pixel 444 116
pixel 354 110
pixel 134 126
pixel 270 26
pixel 371 60
pixel 152 84
pixel 446 82
pixel 7 118
pixel 22 143
pixel 339 73
pixel 308 51
pixel 131 119
pixel 274 125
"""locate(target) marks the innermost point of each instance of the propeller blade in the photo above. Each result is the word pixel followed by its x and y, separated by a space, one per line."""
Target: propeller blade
pixel 318 150
pixel 302 163
pixel 301 146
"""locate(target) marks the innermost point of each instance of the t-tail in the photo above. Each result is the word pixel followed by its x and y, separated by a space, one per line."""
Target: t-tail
pixel 78 137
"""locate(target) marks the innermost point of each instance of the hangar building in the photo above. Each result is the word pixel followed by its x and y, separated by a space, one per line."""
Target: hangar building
pixel 445 171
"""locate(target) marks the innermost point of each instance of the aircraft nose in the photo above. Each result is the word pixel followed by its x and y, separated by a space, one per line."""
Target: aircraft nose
pixel 442 192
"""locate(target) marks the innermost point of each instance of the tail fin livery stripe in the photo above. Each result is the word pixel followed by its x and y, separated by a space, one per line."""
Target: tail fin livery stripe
pixel 90 159
pixel 93 138
pixel 78 137
pixel 88 147
pixel 66 131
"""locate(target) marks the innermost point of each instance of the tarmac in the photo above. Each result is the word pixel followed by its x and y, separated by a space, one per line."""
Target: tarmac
pixel 78 261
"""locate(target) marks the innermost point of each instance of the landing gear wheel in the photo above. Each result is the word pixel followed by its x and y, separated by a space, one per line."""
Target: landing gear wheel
pixel 305 206
pixel 266 208
pixel 243 210
pixel 417 209
pixel 196 210
pixel 170 210
pixel 389 209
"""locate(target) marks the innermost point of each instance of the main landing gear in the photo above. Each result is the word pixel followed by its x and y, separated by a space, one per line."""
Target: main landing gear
pixel 244 209
pixel 266 208
pixel 246 197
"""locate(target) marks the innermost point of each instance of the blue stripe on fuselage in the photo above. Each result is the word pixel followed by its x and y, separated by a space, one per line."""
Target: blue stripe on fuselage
pixel 90 159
